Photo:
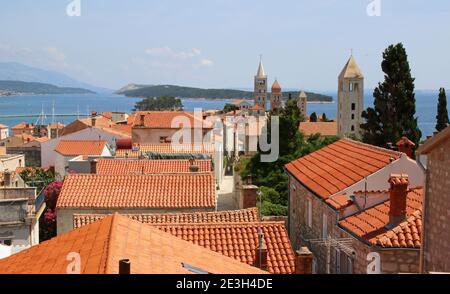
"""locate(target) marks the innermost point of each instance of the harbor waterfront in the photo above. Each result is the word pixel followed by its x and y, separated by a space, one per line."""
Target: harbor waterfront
pixel 426 102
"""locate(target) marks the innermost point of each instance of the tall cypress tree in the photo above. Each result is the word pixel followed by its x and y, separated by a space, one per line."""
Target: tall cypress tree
pixel 442 113
pixel 393 114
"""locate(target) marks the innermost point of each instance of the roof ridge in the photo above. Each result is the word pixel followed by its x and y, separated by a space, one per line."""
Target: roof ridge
pixel 112 235
pixel 215 224
pixel 373 147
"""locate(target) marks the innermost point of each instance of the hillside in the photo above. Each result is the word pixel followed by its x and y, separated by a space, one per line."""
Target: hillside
pixel 133 90
pixel 13 71
pixel 18 88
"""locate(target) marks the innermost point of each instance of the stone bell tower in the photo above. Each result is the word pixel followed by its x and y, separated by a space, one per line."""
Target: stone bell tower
pixel 350 100
pixel 260 89
pixel 275 96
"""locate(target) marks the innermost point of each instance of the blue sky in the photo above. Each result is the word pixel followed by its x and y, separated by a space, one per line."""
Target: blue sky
pixel 216 43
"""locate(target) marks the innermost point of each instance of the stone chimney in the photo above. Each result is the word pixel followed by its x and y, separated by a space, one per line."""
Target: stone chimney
pixel 249 196
pixel 7 178
pixel 398 196
pixel 142 120
pixel 93 164
pixel 303 261
pixel 261 254
pixel 406 146
pixel 93 118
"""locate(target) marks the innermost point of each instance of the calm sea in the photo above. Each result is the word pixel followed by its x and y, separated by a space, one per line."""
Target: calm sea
pixel 83 104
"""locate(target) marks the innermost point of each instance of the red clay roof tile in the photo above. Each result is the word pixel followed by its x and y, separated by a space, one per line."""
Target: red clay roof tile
pixel 339 165
pixel 165 148
pixel 233 216
pixel 323 128
pixel 185 190
pixel 370 224
pixel 80 147
pixel 122 166
pixel 102 244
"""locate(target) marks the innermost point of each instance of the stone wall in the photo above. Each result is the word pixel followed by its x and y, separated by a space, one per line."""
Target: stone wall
pixel 437 211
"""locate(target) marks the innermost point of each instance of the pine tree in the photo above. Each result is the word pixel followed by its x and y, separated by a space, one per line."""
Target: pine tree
pixel 442 112
pixel 393 114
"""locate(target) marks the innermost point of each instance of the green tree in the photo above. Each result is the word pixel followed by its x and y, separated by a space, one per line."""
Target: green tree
pixel 37 177
pixel 313 117
pixel 230 107
pixel 270 177
pixel 324 118
pixel 442 112
pixel 164 103
pixel 393 114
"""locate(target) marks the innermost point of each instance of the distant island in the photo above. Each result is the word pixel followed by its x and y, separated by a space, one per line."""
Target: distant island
pixel 10 88
pixel 143 91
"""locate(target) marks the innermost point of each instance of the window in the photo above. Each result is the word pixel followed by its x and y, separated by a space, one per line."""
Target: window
pixel 350 88
pixel 309 212
pixel 353 128
pixel 353 106
pixel 324 226
pixel 356 87
pixel 7 242
pixel 349 265
pixel 20 162
pixel 353 116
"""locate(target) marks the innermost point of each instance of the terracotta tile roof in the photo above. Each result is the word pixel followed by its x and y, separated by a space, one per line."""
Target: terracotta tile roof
pixel 339 202
pixel 186 190
pixel 369 224
pixel 339 165
pixel 26 137
pixel 42 139
pixel 57 125
pixel 240 241
pixel 232 216
pixel 256 107
pixel 102 244
pixel 323 128
pixel 122 166
pixel 164 120
pixel 165 148
pixel 23 125
pixel 3 126
pixel 80 147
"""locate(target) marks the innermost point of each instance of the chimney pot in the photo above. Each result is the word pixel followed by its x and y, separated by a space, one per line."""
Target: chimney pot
pixel 7 178
pixel 398 197
pixel 261 254
pixel 303 261
pixel 124 267
pixel 249 196
pixel 406 146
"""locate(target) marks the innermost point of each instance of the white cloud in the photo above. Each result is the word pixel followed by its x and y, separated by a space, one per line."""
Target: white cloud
pixel 170 53
pixel 54 54
pixel 206 62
